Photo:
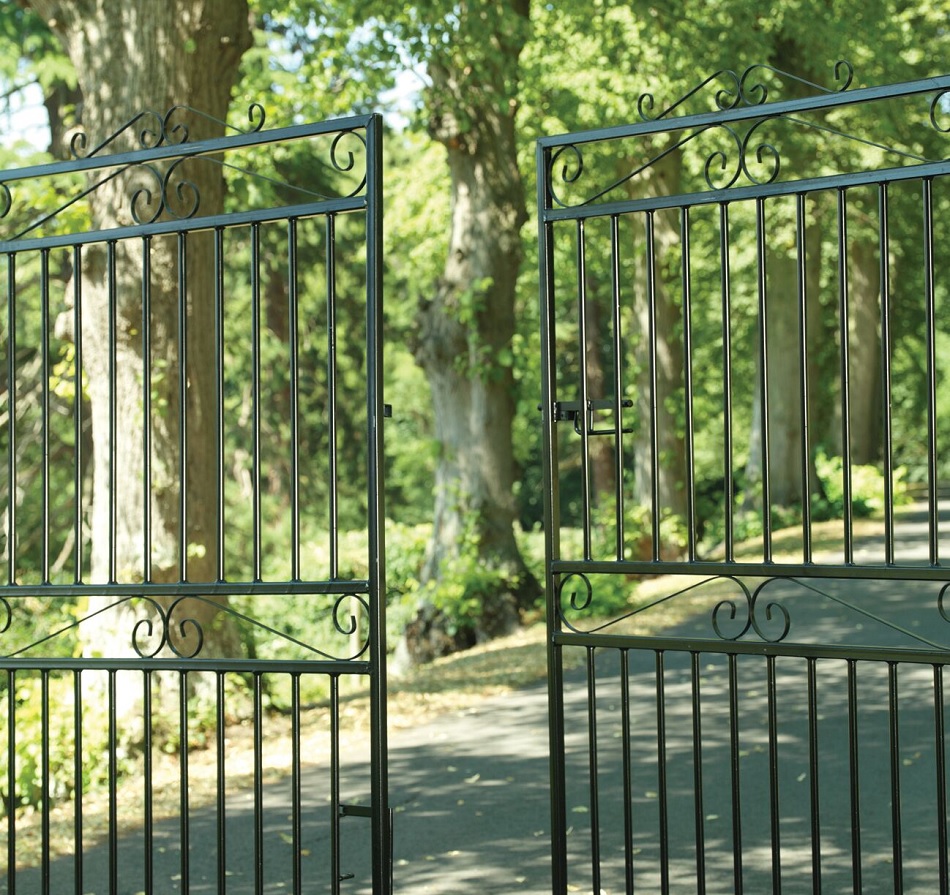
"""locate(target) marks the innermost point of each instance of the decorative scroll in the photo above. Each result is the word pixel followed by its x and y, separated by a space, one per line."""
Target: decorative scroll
pixel 940 106
pixel 170 630
pixel 6 200
pixel 764 628
pixel 727 153
pixel 748 615
pixel 166 188
pixel 941 602
pixel 181 204
pixel 575 603
pixel 347 165
pixel 744 89
pixel 153 130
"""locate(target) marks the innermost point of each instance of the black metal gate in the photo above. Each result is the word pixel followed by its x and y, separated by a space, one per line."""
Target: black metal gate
pixel 192 513
pixel 745 341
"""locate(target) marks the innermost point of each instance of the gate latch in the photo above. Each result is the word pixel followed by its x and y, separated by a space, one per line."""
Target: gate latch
pixel 367 812
pixel 571 410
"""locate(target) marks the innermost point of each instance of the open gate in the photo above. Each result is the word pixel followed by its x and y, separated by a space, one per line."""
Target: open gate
pixel 192 512
pixel 744 334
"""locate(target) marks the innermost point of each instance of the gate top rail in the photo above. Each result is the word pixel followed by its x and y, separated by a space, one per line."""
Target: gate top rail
pixel 736 154
pixel 163 149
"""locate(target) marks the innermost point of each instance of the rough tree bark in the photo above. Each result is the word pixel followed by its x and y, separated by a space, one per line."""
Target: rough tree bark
pixel 131 57
pixel 465 328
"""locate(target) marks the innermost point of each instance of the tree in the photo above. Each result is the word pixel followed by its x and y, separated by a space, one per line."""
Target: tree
pixel 128 58
pixel 466 321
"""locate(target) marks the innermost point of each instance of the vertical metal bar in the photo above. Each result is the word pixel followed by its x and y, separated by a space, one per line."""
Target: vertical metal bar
pixel 698 804
pixel 78 848
pixel 893 715
pixel 626 722
pixel 760 238
pixel 375 412
pixel 148 806
pixel 11 782
pixel 552 526
pixel 688 386
pixel 44 413
pixel 854 776
pixel 940 752
pixel 78 390
pixel 335 809
pixel 147 408
pixel 11 422
pixel 332 398
pixel 929 302
pixel 293 337
pixel 113 421
pixel 183 407
pixel 774 804
pixel 113 829
pixel 664 814
pixel 654 420
pixel 844 305
pixel 884 250
pixel 592 763
pixel 584 398
pixel 219 400
pixel 296 786
pixel 814 771
pixel 802 276
pixel 727 472
pixel 736 773
pixel 45 804
pixel 256 398
pixel 221 807
pixel 184 809
pixel 615 293
pixel 258 784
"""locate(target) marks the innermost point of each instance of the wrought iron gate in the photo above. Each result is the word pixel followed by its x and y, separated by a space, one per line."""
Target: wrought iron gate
pixel 744 334
pixel 192 512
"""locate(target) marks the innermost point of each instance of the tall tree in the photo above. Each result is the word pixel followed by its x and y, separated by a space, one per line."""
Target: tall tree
pixel 128 58
pixel 465 324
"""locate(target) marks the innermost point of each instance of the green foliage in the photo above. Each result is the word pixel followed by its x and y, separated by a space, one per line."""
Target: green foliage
pixel 57 732
pixel 867 488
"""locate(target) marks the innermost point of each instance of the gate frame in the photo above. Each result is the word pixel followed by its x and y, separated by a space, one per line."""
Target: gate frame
pixel 372 659
pixel 579 409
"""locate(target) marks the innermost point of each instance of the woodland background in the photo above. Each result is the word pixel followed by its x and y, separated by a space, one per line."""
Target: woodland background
pixel 466 88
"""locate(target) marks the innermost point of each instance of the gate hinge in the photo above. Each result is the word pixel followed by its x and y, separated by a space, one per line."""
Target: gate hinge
pixel 571 410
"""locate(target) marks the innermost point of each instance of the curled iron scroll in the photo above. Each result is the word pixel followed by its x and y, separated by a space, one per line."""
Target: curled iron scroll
pixel 6 200
pixel 744 89
pixel 941 600
pixel 154 129
pixel 343 159
pixel 6 615
pixel 752 620
pixel 940 106
pixel 350 626
pixel 146 208
pixel 188 630
pixel 579 601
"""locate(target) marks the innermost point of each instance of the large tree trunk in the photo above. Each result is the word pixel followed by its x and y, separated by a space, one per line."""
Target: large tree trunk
pixel 465 331
pixel 669 466
pixel 131 57
pixel 865 353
